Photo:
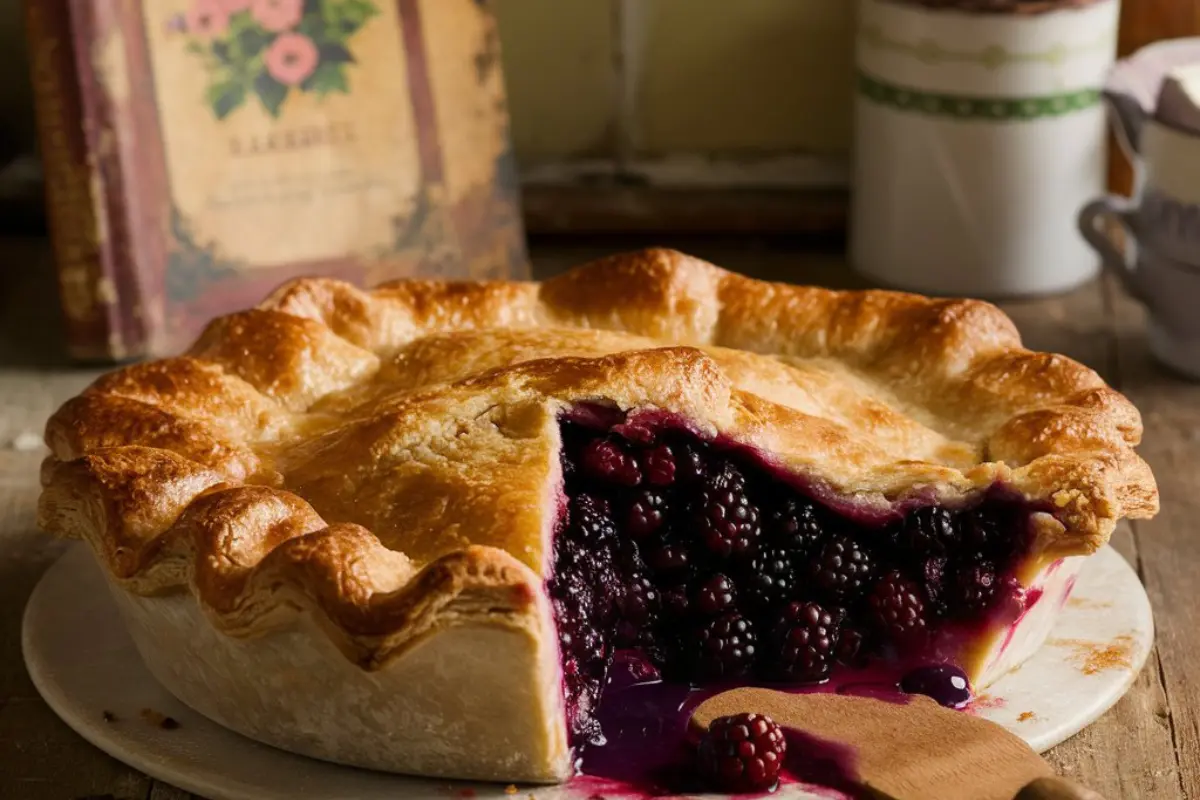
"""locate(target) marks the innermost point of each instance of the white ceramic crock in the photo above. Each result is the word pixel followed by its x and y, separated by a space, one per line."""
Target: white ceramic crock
pixel 979 137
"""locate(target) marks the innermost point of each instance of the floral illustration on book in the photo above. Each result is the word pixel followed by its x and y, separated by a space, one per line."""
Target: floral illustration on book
pixel 271 48
pixel 193 266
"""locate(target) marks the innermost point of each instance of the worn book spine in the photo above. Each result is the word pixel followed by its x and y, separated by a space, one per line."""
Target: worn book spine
pixel 85 232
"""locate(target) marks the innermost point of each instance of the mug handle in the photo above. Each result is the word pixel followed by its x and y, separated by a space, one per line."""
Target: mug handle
pixel 1096 219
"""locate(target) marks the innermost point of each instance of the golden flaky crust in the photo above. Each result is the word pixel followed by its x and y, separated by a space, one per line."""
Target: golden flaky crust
pixel 387 461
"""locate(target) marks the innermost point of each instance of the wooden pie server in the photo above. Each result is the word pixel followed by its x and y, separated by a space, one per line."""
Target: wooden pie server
pixel 914 750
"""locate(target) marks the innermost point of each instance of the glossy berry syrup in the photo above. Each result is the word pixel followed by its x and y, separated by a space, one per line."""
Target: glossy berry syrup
pixel 682 567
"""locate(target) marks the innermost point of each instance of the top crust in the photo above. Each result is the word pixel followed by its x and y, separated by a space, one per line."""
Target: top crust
pixel 388 460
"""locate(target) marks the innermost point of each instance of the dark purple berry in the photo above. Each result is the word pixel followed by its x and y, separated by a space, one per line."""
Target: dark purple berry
pixel 726 475
pixel 933 575
pixel 725 520
pixel 795 527
pixel 636 433
pixel 975 587
pixel 590 519
pixel 725 647
pixel 714 596
pixel 898 609
pixel 675 601
pixel 647 512
pixel 742 753
pixel 981 536
pixel 605 461
pixel 851 647
pixel 770 579
pixel 629 669
pixel 944 683
pixel 689 462
pixel 804 642
pixel 671 559
pixel 660 466
pixel 639 603
pixel 842 568
pixel 927 531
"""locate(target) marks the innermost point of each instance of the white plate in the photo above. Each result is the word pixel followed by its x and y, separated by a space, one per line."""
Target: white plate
pixel 84 664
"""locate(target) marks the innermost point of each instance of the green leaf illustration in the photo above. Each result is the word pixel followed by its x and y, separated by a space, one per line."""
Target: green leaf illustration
pixel 226 97
pixel 333 53
pixel 313 27
pixel 242 21
pixel 253 40
pixel 328 78
pixel 270 92
pixel 312 7
pixel 221 51
pixel 352 15
pixel 358 11
pixel 195 48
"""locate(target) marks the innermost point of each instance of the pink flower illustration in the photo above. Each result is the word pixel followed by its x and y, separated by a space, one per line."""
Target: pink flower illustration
pixel 278 15
pixel 207 18
pixel 234 6
pixel 291 58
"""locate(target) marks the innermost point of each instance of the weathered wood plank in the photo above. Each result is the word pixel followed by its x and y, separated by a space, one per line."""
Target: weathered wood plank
pixel 165 791
pixel 42 759
pixel 1168 545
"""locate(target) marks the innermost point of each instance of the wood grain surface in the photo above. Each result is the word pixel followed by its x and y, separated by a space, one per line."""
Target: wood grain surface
pixel 1148 746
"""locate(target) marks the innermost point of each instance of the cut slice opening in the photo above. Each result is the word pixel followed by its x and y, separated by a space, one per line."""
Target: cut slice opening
pixel 719 568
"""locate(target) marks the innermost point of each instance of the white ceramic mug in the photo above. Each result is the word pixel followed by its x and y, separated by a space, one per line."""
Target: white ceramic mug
pixel 979 136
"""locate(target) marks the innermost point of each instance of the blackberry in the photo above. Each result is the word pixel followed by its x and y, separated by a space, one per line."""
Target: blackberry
pixel 660 466
pixel 742 753
pixel 589 517
pixel 670 559
pixel 605 461
pixel 842 568
pixel 928 531
pixel 637 433
pixel 640 602
pixel 981 536
pixel 675 601
pixel 580 640
pixel 726 476
pixel 647 512
pixel 851 647
pixel 975 587
pixel 725 520
pixel 933 575
pixel 804 642
pixel 795 526
pixel 725 647
pixel 689 462
pixel 714 596
pixel 897 609
pixel 770 578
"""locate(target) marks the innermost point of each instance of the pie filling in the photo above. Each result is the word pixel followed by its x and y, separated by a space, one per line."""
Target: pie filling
pixel 716 568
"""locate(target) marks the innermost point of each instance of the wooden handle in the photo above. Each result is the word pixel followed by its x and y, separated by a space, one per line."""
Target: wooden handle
pixel 1056 789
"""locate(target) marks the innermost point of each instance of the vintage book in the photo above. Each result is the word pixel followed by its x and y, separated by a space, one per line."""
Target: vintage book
pixel 199 152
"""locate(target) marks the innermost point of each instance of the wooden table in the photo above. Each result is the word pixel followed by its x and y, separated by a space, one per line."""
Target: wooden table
pixel 1146 747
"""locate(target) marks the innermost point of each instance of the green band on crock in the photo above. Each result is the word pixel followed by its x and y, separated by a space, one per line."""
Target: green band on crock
pixel 966 107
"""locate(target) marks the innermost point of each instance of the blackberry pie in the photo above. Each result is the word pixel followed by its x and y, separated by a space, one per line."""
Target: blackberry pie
pixel 413 528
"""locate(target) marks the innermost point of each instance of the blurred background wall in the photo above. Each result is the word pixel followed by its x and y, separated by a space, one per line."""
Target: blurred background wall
pixel 593 81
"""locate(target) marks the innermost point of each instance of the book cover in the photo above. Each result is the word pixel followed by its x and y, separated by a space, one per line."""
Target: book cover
pixel 199 152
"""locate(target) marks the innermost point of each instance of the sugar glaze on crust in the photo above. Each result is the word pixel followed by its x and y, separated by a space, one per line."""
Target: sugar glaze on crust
pixel 385 463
